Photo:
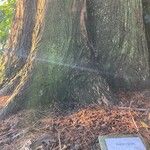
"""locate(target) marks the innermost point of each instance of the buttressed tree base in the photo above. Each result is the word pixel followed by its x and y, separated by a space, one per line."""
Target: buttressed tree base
pixel 73 50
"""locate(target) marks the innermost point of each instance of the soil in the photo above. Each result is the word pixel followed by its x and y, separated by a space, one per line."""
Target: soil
pixel 78 129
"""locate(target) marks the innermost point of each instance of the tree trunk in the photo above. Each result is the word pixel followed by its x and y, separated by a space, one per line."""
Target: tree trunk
pixel 118 36
pixel 70 50
pixel 146 12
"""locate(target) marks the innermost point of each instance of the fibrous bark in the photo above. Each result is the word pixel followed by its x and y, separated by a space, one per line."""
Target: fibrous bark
pixel 119 40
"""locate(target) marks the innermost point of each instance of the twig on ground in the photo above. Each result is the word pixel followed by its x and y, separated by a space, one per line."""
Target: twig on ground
pixel 129 108
pixel 59 140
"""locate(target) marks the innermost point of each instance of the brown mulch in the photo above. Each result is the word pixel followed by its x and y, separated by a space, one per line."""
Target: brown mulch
pixel 78 130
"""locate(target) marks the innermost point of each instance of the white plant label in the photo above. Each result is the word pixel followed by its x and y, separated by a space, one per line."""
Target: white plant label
pixel 124 143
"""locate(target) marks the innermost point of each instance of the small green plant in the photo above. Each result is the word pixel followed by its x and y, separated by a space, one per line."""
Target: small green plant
pixel 6 14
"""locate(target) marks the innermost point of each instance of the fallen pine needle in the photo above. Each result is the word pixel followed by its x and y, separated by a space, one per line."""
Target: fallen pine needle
pixel 133 120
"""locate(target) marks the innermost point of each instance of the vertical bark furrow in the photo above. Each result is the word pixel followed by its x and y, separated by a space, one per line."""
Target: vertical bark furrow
pixel 20 39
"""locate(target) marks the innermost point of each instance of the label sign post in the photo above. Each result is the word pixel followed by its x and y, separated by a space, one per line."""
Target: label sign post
pixel 125 142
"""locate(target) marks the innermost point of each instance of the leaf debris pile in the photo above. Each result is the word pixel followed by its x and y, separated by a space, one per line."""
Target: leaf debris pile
pixel 29 130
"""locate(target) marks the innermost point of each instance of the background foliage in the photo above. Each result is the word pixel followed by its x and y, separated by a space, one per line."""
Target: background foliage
pixel 6 14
